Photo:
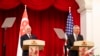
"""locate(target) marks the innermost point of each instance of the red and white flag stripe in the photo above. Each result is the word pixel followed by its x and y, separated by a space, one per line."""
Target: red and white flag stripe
pixel 24 23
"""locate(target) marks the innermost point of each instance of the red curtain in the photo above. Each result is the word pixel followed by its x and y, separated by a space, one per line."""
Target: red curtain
pixel 11 34
pixel 37 4
pixel 75 14
pixel 1 33
pixel 9 4
pixel 63 4
pixel 42 23
pixel 43 17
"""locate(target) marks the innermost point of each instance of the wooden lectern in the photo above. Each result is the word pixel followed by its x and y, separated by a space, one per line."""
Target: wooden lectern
pixel 33 46
pixel 82 46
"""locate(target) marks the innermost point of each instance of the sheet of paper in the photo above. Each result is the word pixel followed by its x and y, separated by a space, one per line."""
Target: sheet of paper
pixel 60 33
pixel 8 22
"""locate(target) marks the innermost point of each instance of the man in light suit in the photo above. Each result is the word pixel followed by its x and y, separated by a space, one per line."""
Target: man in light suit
pixel 72 38
pixel 27 36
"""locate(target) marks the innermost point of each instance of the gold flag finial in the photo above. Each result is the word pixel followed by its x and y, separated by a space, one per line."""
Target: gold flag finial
pixel 25 7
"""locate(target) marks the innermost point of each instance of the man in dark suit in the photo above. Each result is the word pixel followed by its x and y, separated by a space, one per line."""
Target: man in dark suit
pixel 27 36
pixel 72 38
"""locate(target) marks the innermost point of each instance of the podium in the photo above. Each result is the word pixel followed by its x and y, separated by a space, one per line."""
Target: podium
pixel 33 46
pixel 82 46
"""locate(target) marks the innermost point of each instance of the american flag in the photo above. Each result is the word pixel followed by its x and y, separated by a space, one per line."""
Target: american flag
pixel 69 24
pixel 68 29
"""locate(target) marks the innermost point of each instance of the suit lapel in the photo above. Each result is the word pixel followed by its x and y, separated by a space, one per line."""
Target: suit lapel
pixel 73 39
pixel 26 37
pixel 78 38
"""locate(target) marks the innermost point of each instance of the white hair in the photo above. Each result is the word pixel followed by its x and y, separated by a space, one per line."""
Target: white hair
pixel 76 26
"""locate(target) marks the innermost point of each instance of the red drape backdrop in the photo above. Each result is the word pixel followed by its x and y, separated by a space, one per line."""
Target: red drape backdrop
pixel 42 23
pixel 11 34
pixel 1 33
pixel 44 15
pixel 37 4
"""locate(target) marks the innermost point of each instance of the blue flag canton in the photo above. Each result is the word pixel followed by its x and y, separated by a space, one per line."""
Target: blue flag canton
pixel 69 24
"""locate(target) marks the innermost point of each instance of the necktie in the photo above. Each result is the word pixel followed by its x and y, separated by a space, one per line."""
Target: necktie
pixel 77 38
pixel 30 36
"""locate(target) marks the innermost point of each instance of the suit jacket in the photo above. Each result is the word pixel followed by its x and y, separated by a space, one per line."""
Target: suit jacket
pixel 25 37
pixel 71 40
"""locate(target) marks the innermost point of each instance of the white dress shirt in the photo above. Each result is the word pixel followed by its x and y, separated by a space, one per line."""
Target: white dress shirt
pixel 29 35
pixel 75 37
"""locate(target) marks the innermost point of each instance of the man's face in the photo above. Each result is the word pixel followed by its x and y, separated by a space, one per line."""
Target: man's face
pixel 28 30
pixel 76 30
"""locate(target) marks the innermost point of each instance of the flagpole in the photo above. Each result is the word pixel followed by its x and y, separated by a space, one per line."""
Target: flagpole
pixel 22 29
pixel 69 28
pixel 66 40
pixel 3 42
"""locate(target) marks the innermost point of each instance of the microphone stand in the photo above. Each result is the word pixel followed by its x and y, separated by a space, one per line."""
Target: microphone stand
pixel 8 23
pixel 3 42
